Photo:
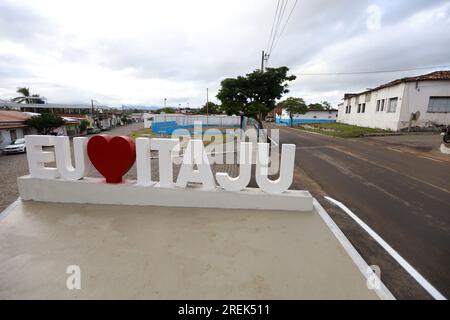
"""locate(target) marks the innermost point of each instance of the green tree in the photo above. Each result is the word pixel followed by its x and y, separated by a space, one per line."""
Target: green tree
pixel 166 110
pixel 326 105
pixel 293 106
pixel 255 93
pixel 83 125
pixel 45 123
pixel 322 106
pixel 212 108
pixel 26 97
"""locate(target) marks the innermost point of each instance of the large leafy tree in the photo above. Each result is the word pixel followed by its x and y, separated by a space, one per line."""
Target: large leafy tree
pixel 26 97
pixel 293 106
pixel 254 94
pixel 45 123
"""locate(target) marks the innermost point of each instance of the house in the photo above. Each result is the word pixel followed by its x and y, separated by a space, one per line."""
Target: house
pixel 98 116
pixel 12 126
pixel 312 116
pixel 421 101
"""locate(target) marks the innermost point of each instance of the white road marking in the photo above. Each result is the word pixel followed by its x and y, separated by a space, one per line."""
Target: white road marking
pixel 394 254
pixel 382 292
pixel 393 149
pixel 429 158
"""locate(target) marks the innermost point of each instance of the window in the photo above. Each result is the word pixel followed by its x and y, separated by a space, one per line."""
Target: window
pixel 378 105
pixel 382 105
pixel 439 104
pixel 359 108
pixel 392 107
pixel 349 109
pixel 363 109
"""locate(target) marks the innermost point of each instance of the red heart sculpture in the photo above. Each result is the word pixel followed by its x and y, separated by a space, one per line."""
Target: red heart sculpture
pixel 112 156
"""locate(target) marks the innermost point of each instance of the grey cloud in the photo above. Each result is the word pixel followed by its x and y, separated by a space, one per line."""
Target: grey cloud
pixel 331 31
pixel 20 24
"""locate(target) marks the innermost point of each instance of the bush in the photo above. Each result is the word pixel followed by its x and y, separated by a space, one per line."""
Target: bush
pixel 83 125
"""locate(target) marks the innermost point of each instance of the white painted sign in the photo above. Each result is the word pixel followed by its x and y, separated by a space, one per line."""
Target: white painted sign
pixel 195 167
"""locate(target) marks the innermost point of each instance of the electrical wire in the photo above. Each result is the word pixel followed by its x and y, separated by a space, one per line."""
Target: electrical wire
pixel 369 72
pixel 284 26
pixel 273 25
pixel 280 18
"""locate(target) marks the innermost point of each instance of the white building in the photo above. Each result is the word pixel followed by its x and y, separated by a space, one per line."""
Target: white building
pixel 182 119
pixel 313 116
pixel 422 101
pixel 12 126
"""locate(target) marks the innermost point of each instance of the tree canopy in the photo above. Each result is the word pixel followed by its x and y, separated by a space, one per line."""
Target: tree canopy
pixel 212 108
pixel 45 123
pixel 166 110
pixel 324 105
pixel 26 97
pixel 293 106
pixel 254 94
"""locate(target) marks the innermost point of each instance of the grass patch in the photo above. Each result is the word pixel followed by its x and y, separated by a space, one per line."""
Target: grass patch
pixel 340 129
pixel 147 132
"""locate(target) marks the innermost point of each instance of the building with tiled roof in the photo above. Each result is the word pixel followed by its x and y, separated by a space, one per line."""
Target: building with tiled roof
pixel 12 126
pixel 419 101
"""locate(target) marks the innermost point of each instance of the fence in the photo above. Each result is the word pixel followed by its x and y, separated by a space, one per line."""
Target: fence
pixel 184 120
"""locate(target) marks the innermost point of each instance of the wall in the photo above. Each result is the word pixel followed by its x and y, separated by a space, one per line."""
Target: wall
pixel 181 119
pixel 417 99
pixel 5 137
pixel 411 98
pixel 309 117
pixel 372 118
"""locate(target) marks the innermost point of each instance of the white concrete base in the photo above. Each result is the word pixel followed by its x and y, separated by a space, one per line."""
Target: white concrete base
pixel 95 191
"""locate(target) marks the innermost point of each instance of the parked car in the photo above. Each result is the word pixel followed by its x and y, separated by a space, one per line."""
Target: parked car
pixel 17 146
pixel 92 130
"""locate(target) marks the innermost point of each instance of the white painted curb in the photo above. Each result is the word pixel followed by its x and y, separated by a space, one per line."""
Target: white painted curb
pixel 394 254
pixel 382 292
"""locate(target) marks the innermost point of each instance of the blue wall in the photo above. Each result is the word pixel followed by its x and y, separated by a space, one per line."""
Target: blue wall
pixel 168 127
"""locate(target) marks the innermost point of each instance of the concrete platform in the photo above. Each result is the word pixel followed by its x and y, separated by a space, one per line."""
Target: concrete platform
pixel 132 252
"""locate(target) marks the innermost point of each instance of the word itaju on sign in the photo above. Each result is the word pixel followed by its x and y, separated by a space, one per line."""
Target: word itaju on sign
pixel 114 156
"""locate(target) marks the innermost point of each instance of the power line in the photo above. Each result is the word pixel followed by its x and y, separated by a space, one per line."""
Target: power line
pixel 369 72
pixel 279 19
pixel 284 26
pixel 273 24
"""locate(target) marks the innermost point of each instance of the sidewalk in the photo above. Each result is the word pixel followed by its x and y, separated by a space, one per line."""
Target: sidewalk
pixel 129 252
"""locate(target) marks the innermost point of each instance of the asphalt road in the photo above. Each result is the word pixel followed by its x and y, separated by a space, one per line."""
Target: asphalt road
pixel 402 193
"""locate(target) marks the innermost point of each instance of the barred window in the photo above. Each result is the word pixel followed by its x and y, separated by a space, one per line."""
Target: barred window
pixel 439 104
pixel 392 106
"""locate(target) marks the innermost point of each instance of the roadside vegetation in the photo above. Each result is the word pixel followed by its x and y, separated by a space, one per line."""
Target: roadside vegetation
pixel 340 129
pixel 146 132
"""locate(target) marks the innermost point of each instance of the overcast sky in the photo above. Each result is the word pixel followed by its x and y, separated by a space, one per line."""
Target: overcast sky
pixel 140 52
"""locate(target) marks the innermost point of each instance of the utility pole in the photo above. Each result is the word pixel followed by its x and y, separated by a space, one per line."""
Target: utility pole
pixel 264 58
pixel 262 61
pixel 165 99
pixel 207 102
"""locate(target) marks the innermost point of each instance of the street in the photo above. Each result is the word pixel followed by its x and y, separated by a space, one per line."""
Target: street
pixel 401 192
pixel 400 189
